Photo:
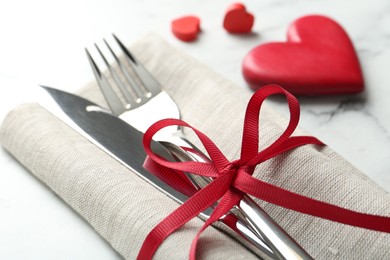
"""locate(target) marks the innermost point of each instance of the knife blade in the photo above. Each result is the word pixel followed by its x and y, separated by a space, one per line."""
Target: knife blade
pixel 124 143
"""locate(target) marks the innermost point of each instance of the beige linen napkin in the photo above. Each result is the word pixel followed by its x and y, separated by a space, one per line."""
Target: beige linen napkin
pixel 123 208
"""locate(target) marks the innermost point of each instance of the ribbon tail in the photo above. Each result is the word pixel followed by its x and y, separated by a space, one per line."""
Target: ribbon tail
pixel 201 200
pixel 306 205
pixel 229 200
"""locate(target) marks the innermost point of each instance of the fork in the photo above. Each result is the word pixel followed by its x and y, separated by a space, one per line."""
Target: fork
pixel 143 102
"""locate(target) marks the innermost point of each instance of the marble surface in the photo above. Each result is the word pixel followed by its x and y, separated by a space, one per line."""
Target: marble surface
pixel 43 42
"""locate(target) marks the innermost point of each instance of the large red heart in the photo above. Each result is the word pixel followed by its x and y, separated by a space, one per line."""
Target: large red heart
pixel 318 58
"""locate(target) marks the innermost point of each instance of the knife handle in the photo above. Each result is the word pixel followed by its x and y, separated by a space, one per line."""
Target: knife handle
pixel 248 212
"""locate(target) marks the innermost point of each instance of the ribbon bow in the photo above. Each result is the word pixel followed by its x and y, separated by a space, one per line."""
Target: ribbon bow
pixel 232 180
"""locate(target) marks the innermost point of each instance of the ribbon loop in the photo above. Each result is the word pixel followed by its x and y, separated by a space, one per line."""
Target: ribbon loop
pixel 250 138
pixel 234 179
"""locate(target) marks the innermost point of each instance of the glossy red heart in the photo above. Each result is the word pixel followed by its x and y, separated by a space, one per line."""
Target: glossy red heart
pixel 186 28
pixel 237 19
pixel 317 59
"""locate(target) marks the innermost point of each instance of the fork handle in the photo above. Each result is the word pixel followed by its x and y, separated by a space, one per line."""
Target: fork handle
pixel 249 212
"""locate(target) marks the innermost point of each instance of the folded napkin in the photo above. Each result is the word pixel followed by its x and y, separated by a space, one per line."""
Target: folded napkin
pixel 123 208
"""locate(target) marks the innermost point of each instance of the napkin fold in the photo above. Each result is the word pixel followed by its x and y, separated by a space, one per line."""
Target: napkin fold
pixel 123 208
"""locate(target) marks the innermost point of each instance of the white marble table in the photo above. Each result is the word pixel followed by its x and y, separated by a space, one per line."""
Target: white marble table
pixel 43 42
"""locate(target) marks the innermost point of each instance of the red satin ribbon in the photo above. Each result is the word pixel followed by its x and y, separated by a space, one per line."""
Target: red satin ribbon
pixel 233 179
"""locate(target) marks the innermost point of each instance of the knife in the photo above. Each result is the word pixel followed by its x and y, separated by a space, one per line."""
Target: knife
pixel 124 143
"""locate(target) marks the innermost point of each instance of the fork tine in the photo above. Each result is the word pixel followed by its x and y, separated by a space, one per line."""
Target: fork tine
pixel 131 99
pixel 111 97
pixel 149 82
pixel 135 86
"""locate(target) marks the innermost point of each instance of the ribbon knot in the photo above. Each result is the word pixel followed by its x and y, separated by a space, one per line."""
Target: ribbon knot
pixel 236 169
pixel 232 180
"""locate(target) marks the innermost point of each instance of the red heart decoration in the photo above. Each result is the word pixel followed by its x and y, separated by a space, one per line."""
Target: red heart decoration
pixel 186 28
pixel 318 58
pixel 237 19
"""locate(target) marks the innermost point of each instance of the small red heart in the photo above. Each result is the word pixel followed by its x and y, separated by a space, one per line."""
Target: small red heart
pixel 186 28
pixel 318 58
pixel 237 19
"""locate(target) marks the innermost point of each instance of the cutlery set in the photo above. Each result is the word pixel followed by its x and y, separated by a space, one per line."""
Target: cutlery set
pixel 136 101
